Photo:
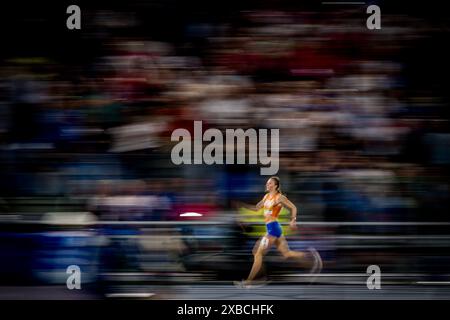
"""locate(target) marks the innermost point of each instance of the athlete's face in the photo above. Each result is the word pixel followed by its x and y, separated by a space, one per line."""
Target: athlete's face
pixel 270 185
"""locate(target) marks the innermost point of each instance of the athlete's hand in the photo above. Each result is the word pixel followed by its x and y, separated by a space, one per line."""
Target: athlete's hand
pixel 293 224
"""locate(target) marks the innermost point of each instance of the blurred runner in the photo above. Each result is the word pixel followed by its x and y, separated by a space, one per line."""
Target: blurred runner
pixel 272 204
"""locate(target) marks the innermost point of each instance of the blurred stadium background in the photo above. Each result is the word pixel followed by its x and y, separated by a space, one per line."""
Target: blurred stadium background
pixel 85 170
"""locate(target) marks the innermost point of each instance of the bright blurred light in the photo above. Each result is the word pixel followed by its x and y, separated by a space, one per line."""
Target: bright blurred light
pixel 191 214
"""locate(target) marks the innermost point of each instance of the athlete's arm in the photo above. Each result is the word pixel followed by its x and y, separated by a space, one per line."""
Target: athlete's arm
pixel 260 204
pixel 256 207
pixel 285 202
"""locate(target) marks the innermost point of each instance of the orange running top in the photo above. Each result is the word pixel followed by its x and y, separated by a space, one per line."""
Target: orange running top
pixel 271 211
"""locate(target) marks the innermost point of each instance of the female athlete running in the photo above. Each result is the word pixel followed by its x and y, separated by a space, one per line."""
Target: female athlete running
pixel 272 203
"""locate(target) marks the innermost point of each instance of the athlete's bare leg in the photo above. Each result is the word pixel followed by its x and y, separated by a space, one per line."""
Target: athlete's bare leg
pixel 311 259
pixel 283 247
pixel 262 246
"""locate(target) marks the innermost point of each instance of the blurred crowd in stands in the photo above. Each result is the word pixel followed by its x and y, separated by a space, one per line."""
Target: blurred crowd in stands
pixel 363 136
